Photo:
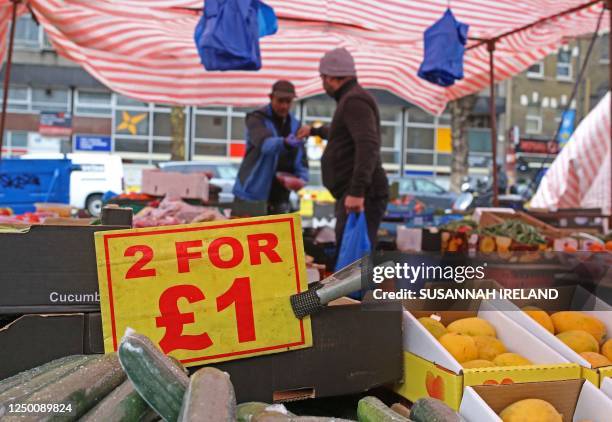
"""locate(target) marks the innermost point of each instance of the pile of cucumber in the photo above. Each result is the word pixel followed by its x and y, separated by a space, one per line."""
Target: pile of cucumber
pixel 139 383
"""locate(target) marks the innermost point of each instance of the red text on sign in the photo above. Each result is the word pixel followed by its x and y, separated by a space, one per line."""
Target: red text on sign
pixel 138 270
pixel 173 320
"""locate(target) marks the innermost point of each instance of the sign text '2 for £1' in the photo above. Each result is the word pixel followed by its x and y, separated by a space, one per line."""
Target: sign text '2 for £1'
pixel 205 292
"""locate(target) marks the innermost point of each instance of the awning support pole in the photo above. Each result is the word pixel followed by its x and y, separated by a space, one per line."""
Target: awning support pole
pixel 493 117
pixel 7 73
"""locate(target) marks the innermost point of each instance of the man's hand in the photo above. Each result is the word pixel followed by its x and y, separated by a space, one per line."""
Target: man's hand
pixel 303 132
pixel 354 203
pixel 293 141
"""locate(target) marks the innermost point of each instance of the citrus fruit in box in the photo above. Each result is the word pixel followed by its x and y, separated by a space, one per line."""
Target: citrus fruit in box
pixel 489 347
pixel 511 359
pixel 606 349
pixel 595 359
pixel 462 347
pixel 478 363
pixel 574 320
pixel 472 327
pixel 541 317
pixel 436 328
pixel 530 410
pixel 579 341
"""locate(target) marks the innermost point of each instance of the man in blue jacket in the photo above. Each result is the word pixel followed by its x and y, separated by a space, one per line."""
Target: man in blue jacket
pixel 272 148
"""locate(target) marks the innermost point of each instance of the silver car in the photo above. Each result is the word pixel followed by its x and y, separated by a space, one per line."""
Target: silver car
pixel 224 174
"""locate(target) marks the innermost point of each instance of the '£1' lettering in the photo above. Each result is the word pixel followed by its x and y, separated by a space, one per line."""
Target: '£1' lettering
pixel 173 320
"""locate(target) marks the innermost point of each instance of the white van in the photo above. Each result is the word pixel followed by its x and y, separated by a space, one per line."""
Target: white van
pixel 97 174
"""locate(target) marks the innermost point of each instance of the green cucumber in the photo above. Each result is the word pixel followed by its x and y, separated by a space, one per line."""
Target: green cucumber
pixel 123 404
pixel 25 376
pixel 158 380
pixel 371 409
pixel 433 410
pixel 210 397
pixel 246 411
pixel 20 392
pixel 179 364
pixel 78 391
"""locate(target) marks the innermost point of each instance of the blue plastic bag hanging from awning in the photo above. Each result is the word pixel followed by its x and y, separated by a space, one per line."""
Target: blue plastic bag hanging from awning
pixel 444 49
pixel 227 35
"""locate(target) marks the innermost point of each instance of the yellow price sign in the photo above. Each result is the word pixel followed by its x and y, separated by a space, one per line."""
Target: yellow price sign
pixel 205 292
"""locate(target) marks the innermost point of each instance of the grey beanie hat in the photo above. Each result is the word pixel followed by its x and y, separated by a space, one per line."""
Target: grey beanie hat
pixel 337 62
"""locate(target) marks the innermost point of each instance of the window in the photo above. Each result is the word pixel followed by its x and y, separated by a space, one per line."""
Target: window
pixel 128 122
pixel 564 64
pixel 419 158
pixel 604 45
pixel 536 71
pixel 417 115
pixel 50 99
pixel 96 103
pixel 420 138
pixel 162 125
pixel 15 143
pixel 406 185
pixel 533 120
pixel 211 127
pixel 425 186
pixel 26 32
pixel 18 98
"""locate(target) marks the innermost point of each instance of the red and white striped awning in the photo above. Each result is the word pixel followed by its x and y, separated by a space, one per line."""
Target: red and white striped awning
pixel 145 48
pixel 580 176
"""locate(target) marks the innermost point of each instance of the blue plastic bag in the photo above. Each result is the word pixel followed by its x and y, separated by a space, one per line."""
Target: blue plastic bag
pixel 444 50
pixel 355 243
pixel 227 35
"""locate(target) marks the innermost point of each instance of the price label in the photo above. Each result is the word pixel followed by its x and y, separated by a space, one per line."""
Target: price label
pixel 205 292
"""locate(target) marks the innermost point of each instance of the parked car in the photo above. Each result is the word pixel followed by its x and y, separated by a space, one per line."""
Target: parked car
pixel 224 174
pixel 428 192
pixel 95 174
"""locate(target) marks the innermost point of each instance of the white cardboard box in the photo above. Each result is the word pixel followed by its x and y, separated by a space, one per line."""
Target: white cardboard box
pixel 601 311
pixel 592 405
pixel 517 339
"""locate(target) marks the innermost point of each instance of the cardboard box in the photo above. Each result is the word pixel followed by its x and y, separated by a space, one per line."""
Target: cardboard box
pixel 571 298
pixel 430 370
pixel 161 183
pixel 49 269
pixel 354 349
pixel 606 386
pixel 576 400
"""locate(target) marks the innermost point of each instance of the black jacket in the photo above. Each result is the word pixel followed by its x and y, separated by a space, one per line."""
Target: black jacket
pixel 351 162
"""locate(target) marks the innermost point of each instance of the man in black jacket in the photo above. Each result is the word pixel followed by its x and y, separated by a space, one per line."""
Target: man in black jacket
pixel 351 165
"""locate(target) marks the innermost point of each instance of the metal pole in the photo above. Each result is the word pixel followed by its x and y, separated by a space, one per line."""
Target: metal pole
pixel 493 118
pixel 609 7
pixel 7 73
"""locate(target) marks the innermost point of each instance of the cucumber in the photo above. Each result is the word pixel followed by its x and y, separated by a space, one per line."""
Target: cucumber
pixel 158 380
pixel 24 376
pixel 401 410
pixel 433 410
pixel 371 409
pixel 20 392
pixel 179 364
pixel 210 397
pixel 123 404
pixel 246 411
pixel 79 391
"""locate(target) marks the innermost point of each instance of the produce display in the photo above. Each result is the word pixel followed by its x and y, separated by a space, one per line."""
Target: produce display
pixel 583 333
pixel 473 343
pixel 175 211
